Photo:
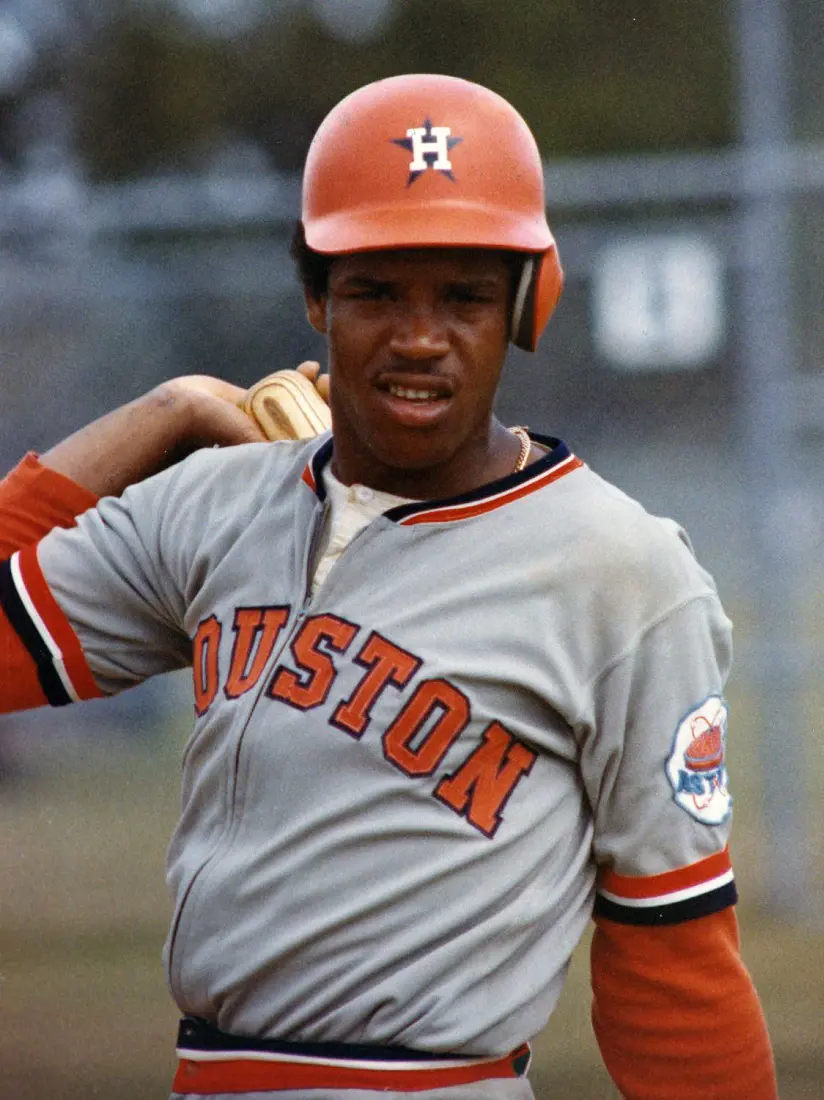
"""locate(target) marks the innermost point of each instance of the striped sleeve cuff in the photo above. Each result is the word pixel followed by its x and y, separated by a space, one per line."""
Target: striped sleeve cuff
pixel 672 897
pixel 44 630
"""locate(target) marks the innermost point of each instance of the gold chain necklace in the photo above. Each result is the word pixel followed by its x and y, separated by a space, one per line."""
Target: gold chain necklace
pixel 521 432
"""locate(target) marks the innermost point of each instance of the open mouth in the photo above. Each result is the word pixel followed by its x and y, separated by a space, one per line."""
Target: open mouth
pixel 408 393
pixel 410 385
pixel 415 400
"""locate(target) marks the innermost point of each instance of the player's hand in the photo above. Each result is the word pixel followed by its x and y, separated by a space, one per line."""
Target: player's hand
pixel 311 370
pixel 204 413
pixel 158 429
pixel 209 413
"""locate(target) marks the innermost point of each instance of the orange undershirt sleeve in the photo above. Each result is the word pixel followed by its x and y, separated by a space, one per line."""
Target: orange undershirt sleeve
pixel 33 500
pixel 19 683
pixel 676 1014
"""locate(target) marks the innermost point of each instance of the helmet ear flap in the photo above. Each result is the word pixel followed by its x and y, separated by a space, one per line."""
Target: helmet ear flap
pixel 539 288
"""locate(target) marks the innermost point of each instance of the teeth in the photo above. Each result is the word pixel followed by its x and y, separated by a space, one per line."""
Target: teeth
pixel 412 395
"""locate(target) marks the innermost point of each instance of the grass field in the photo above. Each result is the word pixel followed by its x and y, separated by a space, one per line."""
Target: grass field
pixel 84 1009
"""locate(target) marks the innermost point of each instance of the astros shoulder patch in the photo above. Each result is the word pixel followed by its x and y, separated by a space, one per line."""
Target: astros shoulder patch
pixel 696 766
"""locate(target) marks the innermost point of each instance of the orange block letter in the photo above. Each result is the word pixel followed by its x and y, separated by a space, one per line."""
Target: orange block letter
pixel 480 788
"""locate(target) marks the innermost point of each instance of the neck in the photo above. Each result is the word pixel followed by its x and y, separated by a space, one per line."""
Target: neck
pixel 475 464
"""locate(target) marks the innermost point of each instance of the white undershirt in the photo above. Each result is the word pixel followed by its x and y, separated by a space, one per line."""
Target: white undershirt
pixel 351 508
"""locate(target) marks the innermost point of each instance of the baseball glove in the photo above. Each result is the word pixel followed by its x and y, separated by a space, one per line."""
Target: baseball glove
pixel 287 405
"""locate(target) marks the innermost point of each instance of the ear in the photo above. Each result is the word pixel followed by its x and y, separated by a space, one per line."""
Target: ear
pixel 316 312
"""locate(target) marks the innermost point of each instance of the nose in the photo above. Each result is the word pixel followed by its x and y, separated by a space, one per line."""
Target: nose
pixel 419 334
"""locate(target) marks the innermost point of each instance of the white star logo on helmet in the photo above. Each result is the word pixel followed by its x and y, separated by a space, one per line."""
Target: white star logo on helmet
pixel 430 147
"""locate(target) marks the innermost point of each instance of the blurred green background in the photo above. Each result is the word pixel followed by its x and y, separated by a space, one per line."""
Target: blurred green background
pixel 148 151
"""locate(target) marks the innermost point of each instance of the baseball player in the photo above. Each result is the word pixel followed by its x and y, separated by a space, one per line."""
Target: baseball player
pixel 454 693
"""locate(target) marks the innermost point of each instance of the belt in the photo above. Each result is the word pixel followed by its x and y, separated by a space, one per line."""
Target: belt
pixel 212 1062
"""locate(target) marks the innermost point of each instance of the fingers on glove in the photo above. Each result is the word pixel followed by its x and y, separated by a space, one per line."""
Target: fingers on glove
pixel 311 369
pixel 288 405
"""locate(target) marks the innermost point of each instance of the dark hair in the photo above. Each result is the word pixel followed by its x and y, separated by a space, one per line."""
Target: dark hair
pixel 313 268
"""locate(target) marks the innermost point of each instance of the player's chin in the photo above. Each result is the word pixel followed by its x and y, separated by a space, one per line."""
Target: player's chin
pixel 411 456
pixel 411 435
pixel 415 449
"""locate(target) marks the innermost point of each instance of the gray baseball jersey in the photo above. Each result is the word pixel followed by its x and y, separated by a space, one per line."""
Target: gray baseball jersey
pixel 401 792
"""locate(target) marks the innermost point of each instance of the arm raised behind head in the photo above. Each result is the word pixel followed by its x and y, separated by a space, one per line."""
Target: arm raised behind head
pixel 153 432
pixel 104 458
pixel 158 429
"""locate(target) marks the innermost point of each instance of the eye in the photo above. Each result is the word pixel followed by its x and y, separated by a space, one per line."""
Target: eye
pixel 369 292
pixel 469 294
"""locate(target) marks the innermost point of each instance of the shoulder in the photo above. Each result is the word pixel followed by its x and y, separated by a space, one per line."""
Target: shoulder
pixel 613 545
pixel 215 492
pixel 234 466
pixel 185 519
pixel 623 526
pixel 231 477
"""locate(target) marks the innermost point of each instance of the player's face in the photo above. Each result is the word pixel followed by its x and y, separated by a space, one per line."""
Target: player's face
pixel 417 341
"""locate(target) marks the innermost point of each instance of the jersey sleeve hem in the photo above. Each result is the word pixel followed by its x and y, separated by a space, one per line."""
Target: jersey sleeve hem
pixel 685 893
pixel 45 632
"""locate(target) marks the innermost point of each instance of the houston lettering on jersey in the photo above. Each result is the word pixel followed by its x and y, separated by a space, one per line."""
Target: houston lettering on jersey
pixel 422 730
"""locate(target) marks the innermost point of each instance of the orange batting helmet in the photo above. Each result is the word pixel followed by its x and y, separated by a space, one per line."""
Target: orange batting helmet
pixel 428 160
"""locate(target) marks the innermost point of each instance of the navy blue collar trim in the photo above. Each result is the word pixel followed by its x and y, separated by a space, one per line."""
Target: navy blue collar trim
pixel 557 452
pixel 317 463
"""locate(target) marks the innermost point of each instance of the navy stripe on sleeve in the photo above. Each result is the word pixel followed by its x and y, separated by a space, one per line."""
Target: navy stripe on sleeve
pixel 31 638
pixel 702 905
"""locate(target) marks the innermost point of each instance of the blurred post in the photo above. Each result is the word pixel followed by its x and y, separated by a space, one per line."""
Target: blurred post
pixel 767 371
